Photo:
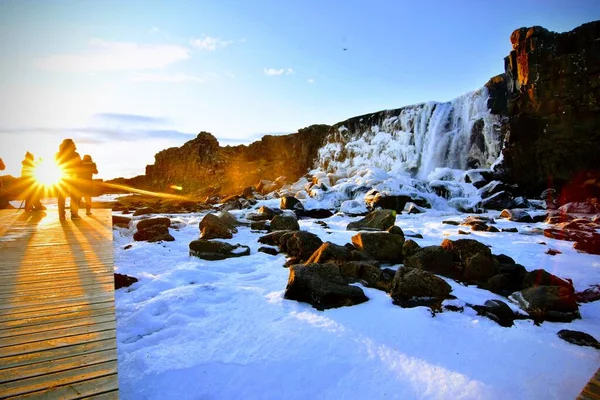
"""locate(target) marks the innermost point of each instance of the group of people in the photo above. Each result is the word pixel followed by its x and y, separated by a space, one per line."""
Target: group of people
pixel 76 181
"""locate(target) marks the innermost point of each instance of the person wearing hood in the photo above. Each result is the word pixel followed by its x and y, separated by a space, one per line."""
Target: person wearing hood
pixel 31 190
pixel 88 168
pixel 70 163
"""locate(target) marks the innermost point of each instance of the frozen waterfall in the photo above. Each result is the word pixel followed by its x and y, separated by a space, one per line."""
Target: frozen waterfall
pixel 458 134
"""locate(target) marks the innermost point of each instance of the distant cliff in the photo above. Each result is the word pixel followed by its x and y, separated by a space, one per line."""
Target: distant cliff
pixel 202 166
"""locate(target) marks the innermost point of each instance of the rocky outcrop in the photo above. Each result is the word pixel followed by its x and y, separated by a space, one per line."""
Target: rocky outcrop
pixel 552 96
pixel 201 165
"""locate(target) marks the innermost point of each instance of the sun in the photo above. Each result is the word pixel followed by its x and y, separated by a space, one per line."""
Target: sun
pixel 48 173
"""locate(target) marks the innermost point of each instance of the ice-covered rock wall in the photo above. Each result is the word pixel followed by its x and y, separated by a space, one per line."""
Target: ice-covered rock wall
pixel 417 139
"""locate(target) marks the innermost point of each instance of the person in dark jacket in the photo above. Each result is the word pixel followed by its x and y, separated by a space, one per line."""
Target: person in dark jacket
pixel 70 163
pixel 4 198
pixel 87 169
pixel 31 189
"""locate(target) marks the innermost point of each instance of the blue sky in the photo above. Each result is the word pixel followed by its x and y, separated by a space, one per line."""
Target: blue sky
pixel 126 79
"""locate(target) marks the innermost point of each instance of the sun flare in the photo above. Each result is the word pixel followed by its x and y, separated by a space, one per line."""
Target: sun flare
pixel 48 173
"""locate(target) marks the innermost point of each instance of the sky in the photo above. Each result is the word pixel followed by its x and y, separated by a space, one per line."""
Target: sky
pixel 128 79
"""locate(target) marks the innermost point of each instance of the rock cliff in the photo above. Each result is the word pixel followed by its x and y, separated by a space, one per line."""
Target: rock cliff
pixel 201 165
pixel 552 103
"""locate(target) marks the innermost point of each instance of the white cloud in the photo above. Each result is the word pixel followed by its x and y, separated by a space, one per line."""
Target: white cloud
pixel 311 80
pixel 116 56
pixel 153 30
pixel 209 43
pixel 166 77
pixel 278 72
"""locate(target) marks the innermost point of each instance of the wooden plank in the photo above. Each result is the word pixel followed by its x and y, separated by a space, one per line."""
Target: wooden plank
pixel 56 365
pixel 58 379
pixel 90 389
pixel 51 326
pixel 87 299
pixel 58 288
pixel 56 334
pixel 591 391
pixel 88 283
pixel 58 353
pixel 45 311
pixel 47 318
pixel 57 342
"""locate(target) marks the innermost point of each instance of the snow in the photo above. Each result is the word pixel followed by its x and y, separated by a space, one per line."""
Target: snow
pixel 196 329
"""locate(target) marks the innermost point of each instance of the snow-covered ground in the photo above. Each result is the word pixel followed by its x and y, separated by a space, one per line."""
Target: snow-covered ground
pixel 196 329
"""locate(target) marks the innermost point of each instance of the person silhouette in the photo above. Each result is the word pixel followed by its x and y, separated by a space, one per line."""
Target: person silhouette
pixel 31 189
pixel 87 169
pixel 70 162
pixel 3 194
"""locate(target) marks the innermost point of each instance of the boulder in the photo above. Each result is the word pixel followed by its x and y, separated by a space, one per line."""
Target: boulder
pixel 260 226
pixel 396 230
pixel 121 221
pixel 314 213
pixel 434 259
pixel 144 211
pixel 414 287
pixel 122 281
pixel 273 238
pixel 578 338
pixel 478 268
pixel 492 229
pixel 548 303
pixel 284 223
pixel 498 201
pixel 591 246
pixel 268 250
pixel 540 277
pixel 322 286
pixel 383 246
pixel 579 208
pixel 330 252
pixel 508 279
pixel 463 249
pixel 510 230
pixel 154 233
pixel 213 227
pixel 497 311
pixel 378 220
pixel 449 222
pixel 409 248
pixel 290 203
pixel 516 215
pixel 388 202
pixel 366 273
pixel 146 223
pixel 216 250
pixel 264 213
pixel 588 295
pixel 299 245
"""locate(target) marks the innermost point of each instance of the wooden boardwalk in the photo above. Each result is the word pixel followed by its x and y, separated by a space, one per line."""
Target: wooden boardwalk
pixel 592 390
pixel 57 315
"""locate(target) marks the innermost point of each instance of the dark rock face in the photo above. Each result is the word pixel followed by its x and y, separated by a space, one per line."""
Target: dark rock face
pixel 378 220
pixel 330 252
pixel 122 281
pixel 553 105
pixel 578 338
pixel 322 286
pixel 412 287
pixel 215 250
pixel 290 203
pixel 382 246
